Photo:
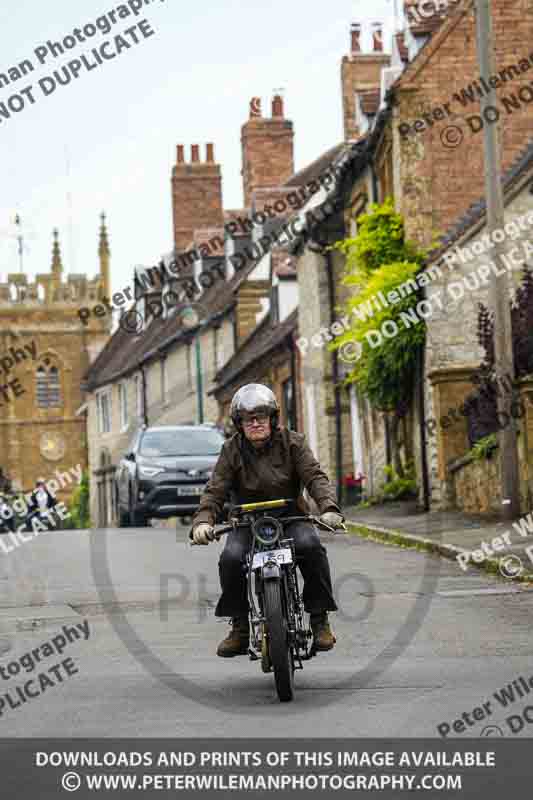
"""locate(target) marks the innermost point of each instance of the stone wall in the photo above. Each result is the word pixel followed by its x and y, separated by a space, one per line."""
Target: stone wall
pixel 452 350
pixel 477 485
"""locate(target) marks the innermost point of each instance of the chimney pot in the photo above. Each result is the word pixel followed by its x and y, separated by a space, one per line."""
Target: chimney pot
pixel 356 37
pixel 210 153
pixel 195 153
pixel 255 107
pixel 377 36
pixel 277 106
pixel 181 154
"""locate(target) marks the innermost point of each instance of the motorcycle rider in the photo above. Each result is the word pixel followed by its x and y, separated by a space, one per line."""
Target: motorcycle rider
pixel 263 461
pixel 41 501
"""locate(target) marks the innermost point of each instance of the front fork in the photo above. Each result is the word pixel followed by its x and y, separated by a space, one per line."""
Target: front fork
pixel 298 635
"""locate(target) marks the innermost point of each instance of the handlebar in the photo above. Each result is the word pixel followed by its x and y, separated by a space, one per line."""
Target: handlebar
pixel 221 530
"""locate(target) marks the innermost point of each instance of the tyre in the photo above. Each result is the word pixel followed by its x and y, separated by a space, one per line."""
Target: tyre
pixel 278 644
pixel 123 518
pixel 138 519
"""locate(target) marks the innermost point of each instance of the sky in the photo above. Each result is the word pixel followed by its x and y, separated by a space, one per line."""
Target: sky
pixel 107 141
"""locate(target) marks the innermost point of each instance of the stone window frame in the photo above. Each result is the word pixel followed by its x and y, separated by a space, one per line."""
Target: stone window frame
pixel 48 394
pixel 104 398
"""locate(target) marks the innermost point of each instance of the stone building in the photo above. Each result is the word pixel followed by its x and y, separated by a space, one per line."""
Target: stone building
pixel 44 351
pixel 465 264
pixel 416 116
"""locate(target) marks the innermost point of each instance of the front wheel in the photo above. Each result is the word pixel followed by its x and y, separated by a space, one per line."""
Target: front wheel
pixel 278 643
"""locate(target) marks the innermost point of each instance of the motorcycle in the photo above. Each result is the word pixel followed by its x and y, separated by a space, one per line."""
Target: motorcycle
pixel 280 636
pixel 6 516
pixel 50 521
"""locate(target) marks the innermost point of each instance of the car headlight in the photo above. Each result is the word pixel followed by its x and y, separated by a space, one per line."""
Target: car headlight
pixel 150 472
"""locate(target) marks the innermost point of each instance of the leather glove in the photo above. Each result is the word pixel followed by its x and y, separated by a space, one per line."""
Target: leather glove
pixel 332 519
pixel 203 533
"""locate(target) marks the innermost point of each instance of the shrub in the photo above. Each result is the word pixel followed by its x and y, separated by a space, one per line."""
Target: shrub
pixel 399 488
pixel 79 504
pixel 484 447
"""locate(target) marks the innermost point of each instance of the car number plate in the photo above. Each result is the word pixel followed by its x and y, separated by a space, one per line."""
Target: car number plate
pixel 283 556
pixel 189 490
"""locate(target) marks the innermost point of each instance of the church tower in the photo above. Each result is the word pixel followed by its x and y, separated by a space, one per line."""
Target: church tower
pixel 44 351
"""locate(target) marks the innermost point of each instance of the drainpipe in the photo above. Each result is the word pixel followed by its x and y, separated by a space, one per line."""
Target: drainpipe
pixel 422 421
pixel 335 378
pixel 144 393
pixel 374 181
pixel 294 409
pixel 388 448
pixel 199 377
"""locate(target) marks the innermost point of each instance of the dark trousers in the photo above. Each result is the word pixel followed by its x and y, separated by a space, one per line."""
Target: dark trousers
pixel 311 558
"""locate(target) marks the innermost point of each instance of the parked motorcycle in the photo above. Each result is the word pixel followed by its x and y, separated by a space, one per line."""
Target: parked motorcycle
pixel 52 522
pixel 280 636
pixel 7 522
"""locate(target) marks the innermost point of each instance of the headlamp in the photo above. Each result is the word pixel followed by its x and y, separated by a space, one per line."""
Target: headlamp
pixel 267 530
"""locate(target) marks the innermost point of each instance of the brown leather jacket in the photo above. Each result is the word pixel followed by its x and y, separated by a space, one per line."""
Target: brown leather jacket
pixel 281 469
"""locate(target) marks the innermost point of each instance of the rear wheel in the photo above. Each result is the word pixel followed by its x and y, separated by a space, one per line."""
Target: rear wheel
pixel 278 643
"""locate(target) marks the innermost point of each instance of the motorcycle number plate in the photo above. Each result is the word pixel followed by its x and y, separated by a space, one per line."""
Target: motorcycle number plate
pixel 283 556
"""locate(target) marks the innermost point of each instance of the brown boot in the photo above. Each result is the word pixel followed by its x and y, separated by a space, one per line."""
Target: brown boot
pixel 323 637
pixel 238 639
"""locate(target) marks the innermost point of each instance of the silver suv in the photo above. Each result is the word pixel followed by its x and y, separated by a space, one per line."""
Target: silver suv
pixel 165 472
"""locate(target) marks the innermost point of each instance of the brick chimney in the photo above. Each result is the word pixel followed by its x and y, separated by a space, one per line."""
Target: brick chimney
pixel 196 195
pixel 359 72
pixel 267 148
pixel 377 37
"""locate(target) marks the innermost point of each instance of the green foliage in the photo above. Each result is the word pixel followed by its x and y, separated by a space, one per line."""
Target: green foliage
pixel 380 240
pixel 79 504
pixel 399 488
pixel 484 447
pixel 385 374
pixel 378 261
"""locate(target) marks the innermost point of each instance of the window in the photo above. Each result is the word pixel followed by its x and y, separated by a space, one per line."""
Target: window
pixel 123 404
pixel 48 387
pixel 288 404
pixel 103 410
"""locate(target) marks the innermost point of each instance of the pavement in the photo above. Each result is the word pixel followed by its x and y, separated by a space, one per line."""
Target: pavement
pixel 473 541
pixel 419 642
